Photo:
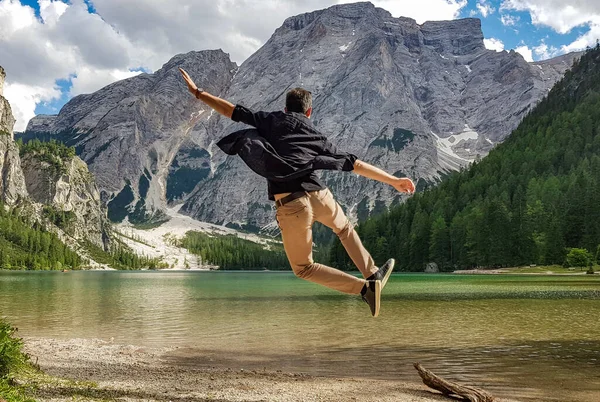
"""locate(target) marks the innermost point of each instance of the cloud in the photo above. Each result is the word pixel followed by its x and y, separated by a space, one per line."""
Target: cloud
pixel 494 44
pixel 485 8
pixel 526 52
pixel 62 42
pixel 50 11
pixel 24 98
pixel 560 15
pixel 422 10
pixel 509 20
pixel 89 80
pixel 544 52
pixel 588 39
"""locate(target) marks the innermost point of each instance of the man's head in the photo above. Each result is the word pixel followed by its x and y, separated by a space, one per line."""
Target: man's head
pixel 299 100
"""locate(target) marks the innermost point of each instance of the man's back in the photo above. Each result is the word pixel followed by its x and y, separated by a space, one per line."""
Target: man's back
pixel 295 140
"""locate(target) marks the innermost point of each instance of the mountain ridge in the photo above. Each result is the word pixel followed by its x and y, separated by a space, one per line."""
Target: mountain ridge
pixel 417 100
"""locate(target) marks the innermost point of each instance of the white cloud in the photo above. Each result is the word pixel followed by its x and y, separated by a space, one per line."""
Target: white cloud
pixel 24 98
pixel 66 41
pixel 526 52
pixel 544 52
pixel 494 44
pixel 50 11
pixel 89 80
pixel 560 15
pixel 13 17
pixel 509 20
pixel 422 10
pixel 588 39
pixel 485 8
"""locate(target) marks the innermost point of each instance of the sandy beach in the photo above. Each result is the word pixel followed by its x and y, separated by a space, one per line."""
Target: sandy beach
pixel 131 373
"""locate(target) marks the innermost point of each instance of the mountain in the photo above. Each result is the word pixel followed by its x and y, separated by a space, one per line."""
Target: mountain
pixel 530 200
pixel 417 100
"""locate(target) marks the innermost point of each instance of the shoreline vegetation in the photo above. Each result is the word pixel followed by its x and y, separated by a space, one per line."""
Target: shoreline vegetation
pixel 527 270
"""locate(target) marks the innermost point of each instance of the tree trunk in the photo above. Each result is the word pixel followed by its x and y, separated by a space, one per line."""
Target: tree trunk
pixel 449 388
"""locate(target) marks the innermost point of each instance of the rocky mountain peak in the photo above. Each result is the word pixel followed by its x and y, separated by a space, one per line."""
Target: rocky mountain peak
pixel 2 77
pixel 7 121
pixel 456 37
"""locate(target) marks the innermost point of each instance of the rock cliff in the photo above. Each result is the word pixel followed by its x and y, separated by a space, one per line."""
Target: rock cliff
pixel 70 195
pixel 12 182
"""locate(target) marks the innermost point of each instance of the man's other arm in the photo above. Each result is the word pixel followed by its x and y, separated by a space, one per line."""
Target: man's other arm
pixel 219 105
pixel 404 185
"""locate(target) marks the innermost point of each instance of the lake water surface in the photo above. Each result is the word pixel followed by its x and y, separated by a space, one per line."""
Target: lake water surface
pixel 529 338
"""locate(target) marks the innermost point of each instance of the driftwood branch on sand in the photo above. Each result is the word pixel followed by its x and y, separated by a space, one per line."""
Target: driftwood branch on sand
pixel 449 388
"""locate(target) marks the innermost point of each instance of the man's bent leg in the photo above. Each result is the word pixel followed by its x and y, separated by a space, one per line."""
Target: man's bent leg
pixel 295 221
pixel 328 212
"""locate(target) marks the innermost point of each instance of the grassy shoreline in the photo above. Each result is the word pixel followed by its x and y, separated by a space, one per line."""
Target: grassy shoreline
pixel 530 270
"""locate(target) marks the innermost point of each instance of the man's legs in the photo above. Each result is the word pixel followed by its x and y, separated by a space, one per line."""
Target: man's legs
pixel 295 221
pixel 328 212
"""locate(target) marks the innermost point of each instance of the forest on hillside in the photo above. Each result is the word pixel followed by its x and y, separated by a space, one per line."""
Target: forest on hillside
pixel 27 246
pixel 235 253
pixel 533 198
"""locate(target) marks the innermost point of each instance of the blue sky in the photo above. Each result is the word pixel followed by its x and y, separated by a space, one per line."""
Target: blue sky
pixel 53 50
pixel 520 31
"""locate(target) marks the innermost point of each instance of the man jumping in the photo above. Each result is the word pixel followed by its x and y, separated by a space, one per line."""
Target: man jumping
pixel 286 148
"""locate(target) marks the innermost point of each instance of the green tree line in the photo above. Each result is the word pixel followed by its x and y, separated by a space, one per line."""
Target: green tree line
pixel 27 246
pixel 232 252
pixel 533 198
pixel 52 152
pixel 121 257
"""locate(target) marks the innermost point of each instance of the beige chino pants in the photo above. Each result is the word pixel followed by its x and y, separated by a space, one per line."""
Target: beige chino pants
pixel 295 221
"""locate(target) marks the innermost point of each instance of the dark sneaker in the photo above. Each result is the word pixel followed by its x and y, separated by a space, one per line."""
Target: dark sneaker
pixel 373 296
pixel 383 274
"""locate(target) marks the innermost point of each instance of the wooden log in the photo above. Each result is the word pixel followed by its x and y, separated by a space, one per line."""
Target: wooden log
pixel 449 389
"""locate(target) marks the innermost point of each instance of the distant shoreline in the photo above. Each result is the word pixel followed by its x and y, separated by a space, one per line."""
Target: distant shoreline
pixel 499 271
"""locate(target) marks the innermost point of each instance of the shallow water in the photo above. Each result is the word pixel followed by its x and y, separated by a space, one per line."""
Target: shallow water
pixel 524 337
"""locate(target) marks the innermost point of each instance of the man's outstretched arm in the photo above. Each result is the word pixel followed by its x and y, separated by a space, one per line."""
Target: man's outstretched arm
pixel 221 106
pixel 404 185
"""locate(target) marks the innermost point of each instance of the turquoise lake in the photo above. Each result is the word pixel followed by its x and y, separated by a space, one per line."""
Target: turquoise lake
pixel 529 338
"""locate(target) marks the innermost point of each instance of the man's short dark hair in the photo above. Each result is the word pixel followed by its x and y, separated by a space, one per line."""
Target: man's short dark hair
pixel 298 100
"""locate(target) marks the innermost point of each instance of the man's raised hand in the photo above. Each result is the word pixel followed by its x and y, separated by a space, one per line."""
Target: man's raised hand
pixel 188 80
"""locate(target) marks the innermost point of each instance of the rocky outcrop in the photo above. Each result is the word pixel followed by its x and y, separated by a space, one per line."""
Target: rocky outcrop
pixel 2 78
pixel 417 100
pixel 7 121
pixel 12 183
pixel 71 194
